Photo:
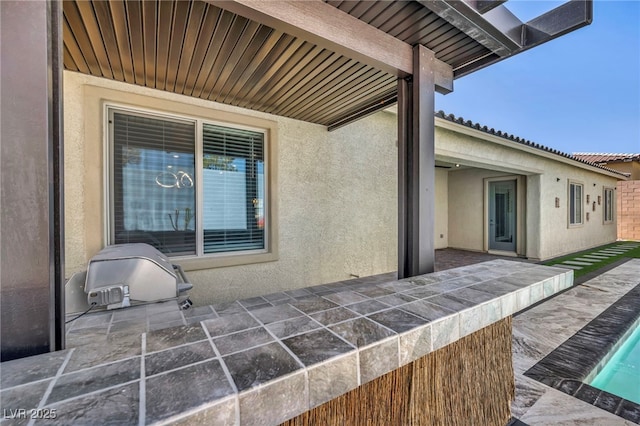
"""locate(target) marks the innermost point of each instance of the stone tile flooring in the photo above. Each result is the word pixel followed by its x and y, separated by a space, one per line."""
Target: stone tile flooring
pixel 452 258
pixel 540 330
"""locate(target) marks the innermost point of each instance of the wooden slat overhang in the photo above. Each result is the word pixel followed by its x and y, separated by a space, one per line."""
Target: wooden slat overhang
pixel 197 49
pixel 275 57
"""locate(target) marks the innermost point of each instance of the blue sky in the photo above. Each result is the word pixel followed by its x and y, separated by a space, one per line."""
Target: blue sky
pixel 577 93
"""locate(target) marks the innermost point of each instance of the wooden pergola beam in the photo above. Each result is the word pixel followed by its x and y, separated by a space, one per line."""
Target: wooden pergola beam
pixel 332 29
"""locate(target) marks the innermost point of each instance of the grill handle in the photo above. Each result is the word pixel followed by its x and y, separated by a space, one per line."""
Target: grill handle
pixel 185 285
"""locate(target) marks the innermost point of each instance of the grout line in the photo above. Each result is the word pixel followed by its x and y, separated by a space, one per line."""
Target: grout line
pixel 176 418
pixel 319 326
pixel 219 356
pixel 142 398
pixel 174 347
pixel 227 374
pixel 95 392
pixel 110 323
pixel 104 364
pixel 163 373
pixel 213 311
pixel 53 383
pixel 278 340
pixel 24 384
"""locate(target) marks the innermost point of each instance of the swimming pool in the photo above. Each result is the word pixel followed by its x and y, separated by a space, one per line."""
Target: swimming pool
pixel 571 367
pixel 621 374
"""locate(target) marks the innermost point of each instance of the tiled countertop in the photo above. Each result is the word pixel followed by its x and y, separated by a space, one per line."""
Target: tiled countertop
pixel 266 359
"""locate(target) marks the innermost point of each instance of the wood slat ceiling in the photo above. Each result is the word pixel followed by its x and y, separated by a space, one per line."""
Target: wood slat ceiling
pixel 196 49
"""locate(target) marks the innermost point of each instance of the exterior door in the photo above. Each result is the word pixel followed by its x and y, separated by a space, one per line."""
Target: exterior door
pixel 502 215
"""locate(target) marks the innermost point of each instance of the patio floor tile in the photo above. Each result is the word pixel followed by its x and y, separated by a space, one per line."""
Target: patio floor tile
pixel 180 390
pixel 361 331
pixel 255 366
pixel 160 362
pixel 317 346
pixel 115 406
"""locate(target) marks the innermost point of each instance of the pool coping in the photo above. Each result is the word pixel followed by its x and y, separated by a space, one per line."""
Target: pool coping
pixel 569 365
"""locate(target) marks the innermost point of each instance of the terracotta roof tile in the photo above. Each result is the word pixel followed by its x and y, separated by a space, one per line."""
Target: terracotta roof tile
pixel 603 158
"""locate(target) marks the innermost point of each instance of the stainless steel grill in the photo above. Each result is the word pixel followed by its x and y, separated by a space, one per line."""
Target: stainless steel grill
pixel 128 274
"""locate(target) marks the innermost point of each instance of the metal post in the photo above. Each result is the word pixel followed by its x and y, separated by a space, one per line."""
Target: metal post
pixel 31 250
pixel 404 136
pixel 416 167
pixel 56 173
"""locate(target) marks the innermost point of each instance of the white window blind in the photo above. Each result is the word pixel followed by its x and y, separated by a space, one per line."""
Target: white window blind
pixel 575 204
pixel 154 185
pixel 233 189
pixel 153 182
pixel 608 205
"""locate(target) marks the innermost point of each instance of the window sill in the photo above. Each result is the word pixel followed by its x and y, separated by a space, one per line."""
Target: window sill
pixel 196 264
pixel 575 225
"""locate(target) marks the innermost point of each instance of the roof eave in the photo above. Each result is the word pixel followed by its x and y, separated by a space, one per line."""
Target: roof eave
pixel 510 141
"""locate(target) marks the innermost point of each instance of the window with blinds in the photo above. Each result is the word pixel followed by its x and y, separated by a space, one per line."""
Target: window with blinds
pixel 233 189
pixel 154 188
pixel 608 204
pixel 153 194
pixel 575 204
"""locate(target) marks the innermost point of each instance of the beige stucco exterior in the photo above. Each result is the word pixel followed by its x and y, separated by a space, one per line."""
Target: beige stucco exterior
pixel 334 193
pixel 466 204
pixel 441 230
pixel 544 177
pixel 630 167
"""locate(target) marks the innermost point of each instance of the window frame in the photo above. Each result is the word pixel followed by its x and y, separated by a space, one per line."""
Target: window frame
pixel 200 197
pixel 110 170
pixel 612 205
pixel 571 213
pixel 200 260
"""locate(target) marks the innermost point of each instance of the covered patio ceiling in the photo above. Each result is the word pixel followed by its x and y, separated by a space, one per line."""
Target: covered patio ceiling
pixel 277 57
pixel 322 62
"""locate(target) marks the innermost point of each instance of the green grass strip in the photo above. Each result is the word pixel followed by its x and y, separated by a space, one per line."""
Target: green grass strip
pixel 633 253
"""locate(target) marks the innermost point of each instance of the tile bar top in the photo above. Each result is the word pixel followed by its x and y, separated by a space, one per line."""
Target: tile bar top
pixel 267 359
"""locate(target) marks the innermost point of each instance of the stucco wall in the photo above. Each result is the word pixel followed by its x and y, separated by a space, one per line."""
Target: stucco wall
pixel 466 207
pixel 441 231
pixel 632 167
pixel 533 216
pixel 548 233
pixel 336 194
pixel 559 238
pixel 337 197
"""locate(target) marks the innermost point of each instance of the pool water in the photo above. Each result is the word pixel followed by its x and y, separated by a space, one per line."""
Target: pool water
pixel 621 375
